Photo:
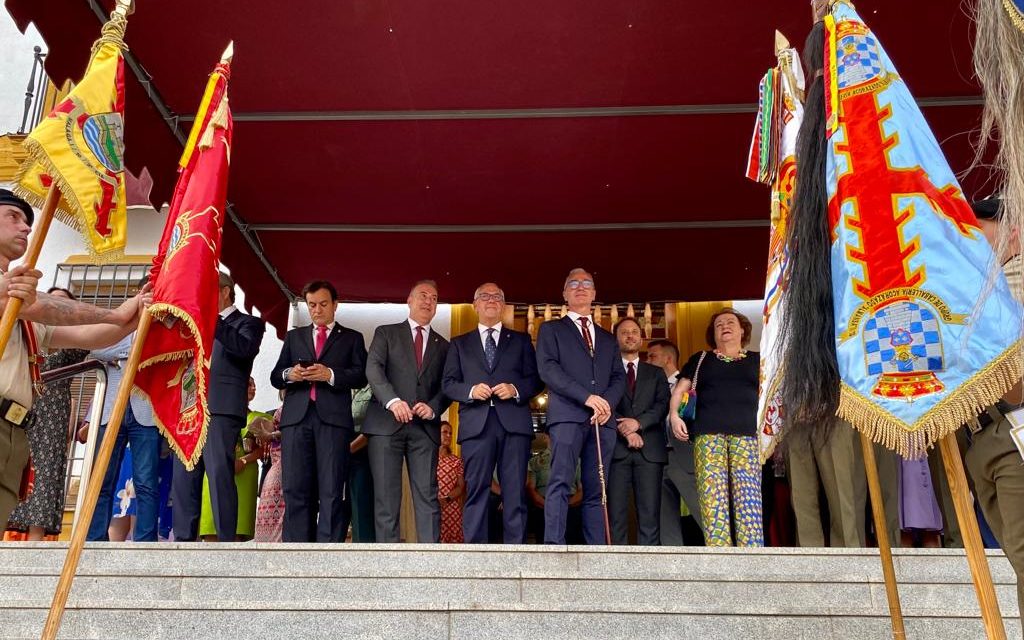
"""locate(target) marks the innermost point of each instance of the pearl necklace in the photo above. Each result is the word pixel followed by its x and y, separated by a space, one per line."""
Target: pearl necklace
pixel 724 358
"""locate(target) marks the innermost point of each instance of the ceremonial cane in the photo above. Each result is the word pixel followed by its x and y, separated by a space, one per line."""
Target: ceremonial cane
pixel 604 491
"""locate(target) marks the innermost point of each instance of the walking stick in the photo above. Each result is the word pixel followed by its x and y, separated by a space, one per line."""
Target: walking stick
pixel 67 574
pixel 604 488
pixel 13 308
pixel 892 592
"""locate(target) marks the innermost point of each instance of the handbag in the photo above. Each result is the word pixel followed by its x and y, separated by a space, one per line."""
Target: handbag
pixel 688 403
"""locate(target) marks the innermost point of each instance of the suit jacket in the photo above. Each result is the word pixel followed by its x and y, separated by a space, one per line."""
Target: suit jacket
pixel 649 406
pixel 236 343
pixel 515 363
pixel 572 375
pixel 344 353
pixel 391 370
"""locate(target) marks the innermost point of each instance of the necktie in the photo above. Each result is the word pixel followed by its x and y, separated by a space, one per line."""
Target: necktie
pixel 585 323
pixel 490 348
pixel 631 378
pixel 417 345
pixel 321 340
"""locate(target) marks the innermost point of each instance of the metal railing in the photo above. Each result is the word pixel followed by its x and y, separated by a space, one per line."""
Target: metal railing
pixel 35 93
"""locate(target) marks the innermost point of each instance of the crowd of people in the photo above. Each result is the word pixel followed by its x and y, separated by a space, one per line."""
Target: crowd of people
pixel 634 445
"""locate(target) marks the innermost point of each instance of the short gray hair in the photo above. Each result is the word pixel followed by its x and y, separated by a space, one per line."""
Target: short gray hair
pixel 432 283
pixel 477 292
pixel 576 271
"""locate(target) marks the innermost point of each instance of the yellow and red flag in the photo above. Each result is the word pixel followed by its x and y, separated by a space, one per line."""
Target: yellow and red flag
pixel 175 366
pixel 80 147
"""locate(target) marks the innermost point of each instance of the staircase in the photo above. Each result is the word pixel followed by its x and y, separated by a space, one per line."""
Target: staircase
pixel 398 592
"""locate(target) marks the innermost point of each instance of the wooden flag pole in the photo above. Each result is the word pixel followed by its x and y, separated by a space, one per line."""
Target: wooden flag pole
pixel 980 573
pixel 892 592
pixel 35 246
pixel 67 574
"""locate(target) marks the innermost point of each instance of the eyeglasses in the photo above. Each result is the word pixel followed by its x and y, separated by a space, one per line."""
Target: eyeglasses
pixel 576 284
pixel 490 297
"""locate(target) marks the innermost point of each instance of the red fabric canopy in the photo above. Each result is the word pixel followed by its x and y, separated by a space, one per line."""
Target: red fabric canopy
pixel 330 101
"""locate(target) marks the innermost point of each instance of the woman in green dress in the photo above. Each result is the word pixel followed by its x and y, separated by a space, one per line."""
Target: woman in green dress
pixel 247 479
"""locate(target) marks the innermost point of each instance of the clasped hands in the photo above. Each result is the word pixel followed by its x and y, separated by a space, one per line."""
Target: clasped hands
pixel 483 392
pixel 404 413
pixel 315 372
pixel 629 428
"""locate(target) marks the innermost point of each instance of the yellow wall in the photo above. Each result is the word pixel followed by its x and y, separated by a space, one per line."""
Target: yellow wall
pixel 691 322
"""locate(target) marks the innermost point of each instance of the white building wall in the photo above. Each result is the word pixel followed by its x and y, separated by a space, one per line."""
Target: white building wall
pixel 15 67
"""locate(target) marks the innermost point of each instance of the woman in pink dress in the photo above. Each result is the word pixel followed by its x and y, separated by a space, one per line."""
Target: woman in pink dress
pixel 451 484
pixel 270 511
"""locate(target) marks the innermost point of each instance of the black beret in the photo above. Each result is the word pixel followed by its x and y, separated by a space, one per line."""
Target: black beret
pixel 7 197
pixel 988 209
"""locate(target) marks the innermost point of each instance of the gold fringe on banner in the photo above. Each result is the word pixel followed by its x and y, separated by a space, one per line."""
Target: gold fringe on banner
pixel 965 402
pixel 159 311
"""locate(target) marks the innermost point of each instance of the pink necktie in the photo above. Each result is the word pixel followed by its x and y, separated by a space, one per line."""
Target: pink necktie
pixel 321 340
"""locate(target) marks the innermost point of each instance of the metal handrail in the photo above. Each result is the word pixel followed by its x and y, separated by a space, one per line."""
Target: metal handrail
pixel 72 370
pixel 34 91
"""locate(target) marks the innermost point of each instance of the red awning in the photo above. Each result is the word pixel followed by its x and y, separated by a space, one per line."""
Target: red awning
pixel 377 143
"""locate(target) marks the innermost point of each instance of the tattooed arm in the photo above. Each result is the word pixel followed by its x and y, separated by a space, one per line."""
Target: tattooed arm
pixel 58 311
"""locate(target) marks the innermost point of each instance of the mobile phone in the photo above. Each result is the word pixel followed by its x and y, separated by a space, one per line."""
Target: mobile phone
pixel 303 362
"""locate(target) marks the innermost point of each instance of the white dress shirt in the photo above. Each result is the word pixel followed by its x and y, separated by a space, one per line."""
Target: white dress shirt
pixel 228 310
pixel 575 317
pixel 483 329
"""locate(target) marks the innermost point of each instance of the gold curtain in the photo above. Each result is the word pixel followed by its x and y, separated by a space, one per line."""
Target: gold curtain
pixel 687 323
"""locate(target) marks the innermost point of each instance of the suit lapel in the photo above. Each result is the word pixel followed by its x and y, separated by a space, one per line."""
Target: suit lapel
pixel 405 340
pixel 477 347
pixel 431 351
pixel 579 335
pixel 332 337
pixel 503 340
pixel 306 338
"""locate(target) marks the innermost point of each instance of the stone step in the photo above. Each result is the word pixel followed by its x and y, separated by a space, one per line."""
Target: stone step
pixel 453 591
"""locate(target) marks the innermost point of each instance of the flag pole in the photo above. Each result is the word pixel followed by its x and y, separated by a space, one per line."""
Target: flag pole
pixel 892 592
pixel 67 574
pixel 964 505
pixel 35 246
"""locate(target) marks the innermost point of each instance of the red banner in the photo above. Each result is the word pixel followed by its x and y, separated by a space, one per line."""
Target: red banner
pixel 175 366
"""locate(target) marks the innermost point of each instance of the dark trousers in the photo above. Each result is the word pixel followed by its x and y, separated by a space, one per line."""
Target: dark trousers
pixel 511 453
pixel 413 444
pixel 573 524
pixel 357 504
pixel 314 471
pixel 572 442
pixel 680 484
pixel 145 443
pixel 632 475
pixel 217 462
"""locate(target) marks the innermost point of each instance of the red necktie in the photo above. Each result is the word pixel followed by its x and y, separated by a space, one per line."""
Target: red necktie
pixel 585 322
pixel 321 340
pixel 417 345
pixel 631 377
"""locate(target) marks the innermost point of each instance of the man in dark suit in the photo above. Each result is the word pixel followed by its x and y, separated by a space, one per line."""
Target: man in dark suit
pixel 492 373
pixel 579 361
pixel 236 343
pixel 638 463
pixel 319 367
pixel 403 421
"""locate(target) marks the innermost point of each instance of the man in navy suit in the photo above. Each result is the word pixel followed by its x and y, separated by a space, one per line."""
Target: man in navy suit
pixel 236 344
pixel 319 367
pixel 579 361
pixel 492 373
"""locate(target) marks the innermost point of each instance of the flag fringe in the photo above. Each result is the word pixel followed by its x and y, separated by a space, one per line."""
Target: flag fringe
pixel 202 390
pixel 37 154
pixel 978 392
